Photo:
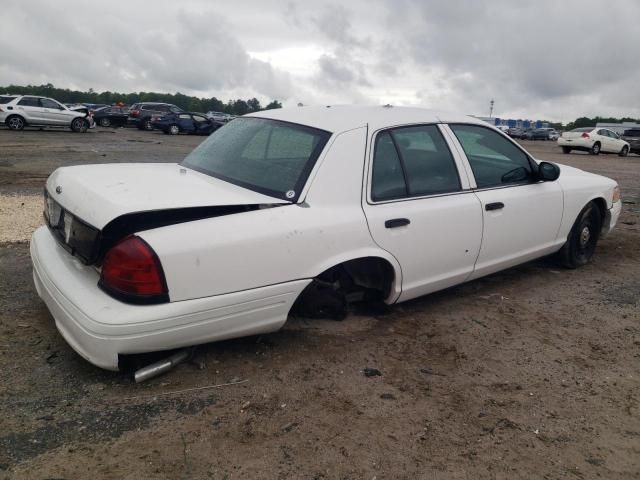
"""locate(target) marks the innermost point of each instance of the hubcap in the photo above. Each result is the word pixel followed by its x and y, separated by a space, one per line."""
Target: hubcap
pixel 174 129
pixel 585 236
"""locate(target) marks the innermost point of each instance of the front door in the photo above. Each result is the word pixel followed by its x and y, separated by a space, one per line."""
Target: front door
pixel 420 210
pixel 54 113
pixel 521 214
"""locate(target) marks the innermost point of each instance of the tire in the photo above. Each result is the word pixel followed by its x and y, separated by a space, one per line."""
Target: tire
pixel 566 150
pixel 595 150
pixel 583 238
pixel 105 122
pixel 15 122
pixel 79 125
pixel 624 152
pixel 146 125
pixel 174 129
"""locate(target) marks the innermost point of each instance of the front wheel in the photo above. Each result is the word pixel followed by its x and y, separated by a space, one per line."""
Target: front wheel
pixel 105 122
pixel 624 152
pixel 147 125
pixel 582 240
pixel 595 150
pixel 566 150
pixel 174 129
pixel 79 125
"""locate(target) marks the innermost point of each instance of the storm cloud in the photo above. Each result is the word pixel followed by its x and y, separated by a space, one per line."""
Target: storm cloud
pixel 543 59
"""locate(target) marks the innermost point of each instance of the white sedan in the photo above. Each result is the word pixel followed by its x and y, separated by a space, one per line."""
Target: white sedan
pixel 308 206
pixel 593 140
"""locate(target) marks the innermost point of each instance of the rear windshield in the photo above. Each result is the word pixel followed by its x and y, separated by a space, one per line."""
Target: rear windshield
pixel 267 156
pixel 631 133
pixel 4 99
pixel 583 129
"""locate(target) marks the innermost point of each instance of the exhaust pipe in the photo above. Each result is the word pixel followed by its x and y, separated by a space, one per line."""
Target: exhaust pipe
pixel 162 366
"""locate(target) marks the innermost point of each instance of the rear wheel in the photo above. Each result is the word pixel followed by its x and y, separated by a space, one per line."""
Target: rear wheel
pixel 15 122
pixel 624 152
pixel 147 124
pixel 582 240
pixel 79 125
pixel 105 122
pixel 174 129
pixel 595 150
pixel 566 150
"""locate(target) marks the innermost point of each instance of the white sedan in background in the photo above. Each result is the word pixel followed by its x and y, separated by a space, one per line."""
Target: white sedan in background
pixel 304 208
pixel 593 140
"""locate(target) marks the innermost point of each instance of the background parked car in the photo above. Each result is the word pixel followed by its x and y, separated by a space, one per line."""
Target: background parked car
pixel 219 116
pixel 593 140
pixel 186 122
pixel 27 110
pixel 515 132
pixel 111 116
pixel 143 114
pixel 632 137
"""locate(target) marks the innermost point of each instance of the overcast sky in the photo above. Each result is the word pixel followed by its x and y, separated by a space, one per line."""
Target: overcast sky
pixel 539 59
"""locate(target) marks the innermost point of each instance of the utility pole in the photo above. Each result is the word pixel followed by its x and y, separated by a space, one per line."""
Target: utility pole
pixel 491 108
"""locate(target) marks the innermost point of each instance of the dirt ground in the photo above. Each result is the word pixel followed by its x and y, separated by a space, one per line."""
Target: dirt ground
pixel 530 373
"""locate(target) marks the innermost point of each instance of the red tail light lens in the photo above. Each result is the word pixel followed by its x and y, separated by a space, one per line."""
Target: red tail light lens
pixel 134 113
pixel 132 272
pixel 585 135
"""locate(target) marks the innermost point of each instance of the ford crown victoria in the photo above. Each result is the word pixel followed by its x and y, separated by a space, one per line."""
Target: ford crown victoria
pixel 286 208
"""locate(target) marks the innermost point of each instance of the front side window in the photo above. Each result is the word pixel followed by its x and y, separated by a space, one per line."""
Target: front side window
pixel 4 99
pixel 495 160
pixel 267 156
pixel 412 162
pixel 46 103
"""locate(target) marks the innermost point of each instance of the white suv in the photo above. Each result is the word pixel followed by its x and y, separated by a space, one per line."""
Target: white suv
pixel 19 111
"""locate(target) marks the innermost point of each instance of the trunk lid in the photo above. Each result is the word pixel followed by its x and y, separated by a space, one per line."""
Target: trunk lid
pixel 98 194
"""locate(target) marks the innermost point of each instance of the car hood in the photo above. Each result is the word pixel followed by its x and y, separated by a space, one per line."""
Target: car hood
pixel 100 193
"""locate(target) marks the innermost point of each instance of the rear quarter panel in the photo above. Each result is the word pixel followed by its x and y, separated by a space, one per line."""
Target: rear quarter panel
pixel 274 245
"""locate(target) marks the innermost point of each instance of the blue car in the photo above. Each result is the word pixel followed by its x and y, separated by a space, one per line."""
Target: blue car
pixel 185 122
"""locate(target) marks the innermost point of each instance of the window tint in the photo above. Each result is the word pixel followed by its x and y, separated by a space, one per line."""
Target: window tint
pixel 268 156
pixel 603 133
pixel 495 161
pixel 199 118
pixel 428 163
pixel 4 99
pixel 46 103
pixel 387 178
pixel 29 102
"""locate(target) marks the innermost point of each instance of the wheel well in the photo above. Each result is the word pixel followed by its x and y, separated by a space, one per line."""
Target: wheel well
pixel 372 273
pixel 602 208
pixel 365 279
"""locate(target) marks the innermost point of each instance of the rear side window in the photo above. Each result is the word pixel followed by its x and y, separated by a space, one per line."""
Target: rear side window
pixel 495 161
pixel 29 102
pixel 412 162
pixel 4 99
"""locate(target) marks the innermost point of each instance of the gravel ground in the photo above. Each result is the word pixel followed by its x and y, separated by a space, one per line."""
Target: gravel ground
pixel 20 215
pixel 530 373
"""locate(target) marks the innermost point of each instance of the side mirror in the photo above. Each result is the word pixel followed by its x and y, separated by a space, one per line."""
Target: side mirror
pixel 548 172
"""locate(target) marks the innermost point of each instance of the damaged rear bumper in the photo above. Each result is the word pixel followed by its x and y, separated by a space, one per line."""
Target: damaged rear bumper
pixel 101 328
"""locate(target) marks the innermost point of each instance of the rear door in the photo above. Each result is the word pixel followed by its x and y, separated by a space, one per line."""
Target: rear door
pixel 419 208
pixel 521 215
pixel 31 110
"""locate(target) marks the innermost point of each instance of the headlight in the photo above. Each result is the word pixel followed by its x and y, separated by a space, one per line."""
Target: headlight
pixel 616 194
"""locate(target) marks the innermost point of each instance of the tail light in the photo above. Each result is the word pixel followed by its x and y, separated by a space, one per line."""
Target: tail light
pixel 134 113
pixel 585 135
pixel 132 273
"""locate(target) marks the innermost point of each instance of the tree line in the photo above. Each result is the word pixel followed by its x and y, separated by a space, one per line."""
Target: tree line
pixel 186 102
pixel 583 122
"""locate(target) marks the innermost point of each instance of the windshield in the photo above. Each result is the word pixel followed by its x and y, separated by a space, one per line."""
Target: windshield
pixel 267 156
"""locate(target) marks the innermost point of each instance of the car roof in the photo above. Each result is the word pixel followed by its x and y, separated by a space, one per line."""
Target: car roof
pixel 339 118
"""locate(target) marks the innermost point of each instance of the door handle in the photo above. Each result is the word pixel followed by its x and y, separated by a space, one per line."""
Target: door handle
pixel 494 206
pixel 397 222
